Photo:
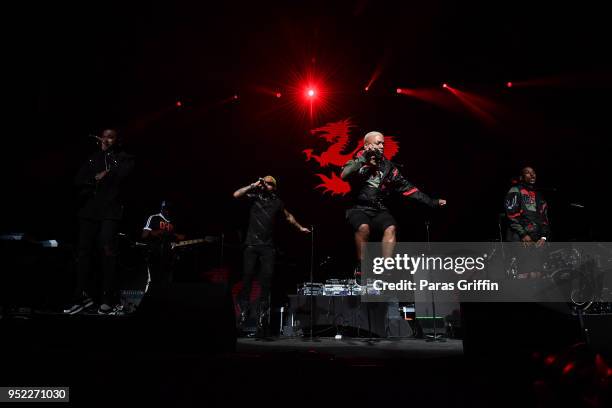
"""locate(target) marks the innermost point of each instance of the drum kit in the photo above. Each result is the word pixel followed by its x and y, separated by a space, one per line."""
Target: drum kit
pixel 578 268
pixel 135 264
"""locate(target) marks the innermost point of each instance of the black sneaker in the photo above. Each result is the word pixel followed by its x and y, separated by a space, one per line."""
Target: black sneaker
pixel 79 305
pixel 244 315
pixel 105 309
pixel 118 310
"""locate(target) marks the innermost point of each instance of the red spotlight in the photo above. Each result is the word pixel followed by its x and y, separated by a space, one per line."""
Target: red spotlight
pixel 311 92
pixel 367 88
pixel 509 84
pixel 179 104
pixel 445 85
pixel 399 90
pixel 278 95
pixel 235 96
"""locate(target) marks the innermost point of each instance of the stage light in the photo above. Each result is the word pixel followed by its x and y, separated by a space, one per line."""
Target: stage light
pixel 445 85
pixel 367 88
pixel 278 95
pixel 235 96
pixel 399 90
pixel 509 84
pixel 179 104
pixel 311 92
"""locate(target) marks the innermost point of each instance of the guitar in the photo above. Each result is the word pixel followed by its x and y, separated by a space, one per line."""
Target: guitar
pixel 189 242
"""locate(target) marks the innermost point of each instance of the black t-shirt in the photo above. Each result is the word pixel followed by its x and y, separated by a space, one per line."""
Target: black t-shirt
pixel 265 209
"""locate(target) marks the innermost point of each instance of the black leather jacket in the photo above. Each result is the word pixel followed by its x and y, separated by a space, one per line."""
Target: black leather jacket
pixel 102 200
pixel 372 185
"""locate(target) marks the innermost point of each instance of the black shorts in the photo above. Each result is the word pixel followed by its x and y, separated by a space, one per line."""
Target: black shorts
pixel 377 219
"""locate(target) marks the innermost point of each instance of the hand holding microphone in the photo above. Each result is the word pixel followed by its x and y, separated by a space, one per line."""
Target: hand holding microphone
pixel 258 184
pixel 103 142
pixel 372 152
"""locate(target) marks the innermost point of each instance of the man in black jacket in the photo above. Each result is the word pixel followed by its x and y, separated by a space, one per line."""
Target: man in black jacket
pixel 526 211
pixel 373 178
pixel 100 182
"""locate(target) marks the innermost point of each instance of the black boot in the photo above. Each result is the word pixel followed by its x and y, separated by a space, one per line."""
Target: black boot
pixel 263 315
pixel 244 314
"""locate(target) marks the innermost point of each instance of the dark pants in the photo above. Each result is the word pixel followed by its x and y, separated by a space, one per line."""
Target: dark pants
pixel 161 263
pixel 97 236
pixel 266 256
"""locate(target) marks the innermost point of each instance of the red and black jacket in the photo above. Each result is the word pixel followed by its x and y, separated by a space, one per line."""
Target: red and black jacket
pixel 372 185
pixel 526 212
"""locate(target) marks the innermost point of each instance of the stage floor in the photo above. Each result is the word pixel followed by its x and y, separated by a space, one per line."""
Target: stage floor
pixel 354 347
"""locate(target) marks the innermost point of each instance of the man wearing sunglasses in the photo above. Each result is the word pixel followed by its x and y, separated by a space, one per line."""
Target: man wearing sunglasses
pixel 265 208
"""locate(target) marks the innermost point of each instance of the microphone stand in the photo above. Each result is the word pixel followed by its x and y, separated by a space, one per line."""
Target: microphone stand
pixel 312 296
pixel 436 336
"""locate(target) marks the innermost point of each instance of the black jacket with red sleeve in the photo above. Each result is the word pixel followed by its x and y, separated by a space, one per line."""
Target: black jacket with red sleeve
pixel 526 212
pixel 371 186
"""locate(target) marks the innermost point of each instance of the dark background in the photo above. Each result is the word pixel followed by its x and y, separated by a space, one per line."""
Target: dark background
pixel 80 68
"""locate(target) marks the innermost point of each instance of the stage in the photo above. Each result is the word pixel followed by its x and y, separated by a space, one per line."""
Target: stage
pixel 348 348
pixel 282 372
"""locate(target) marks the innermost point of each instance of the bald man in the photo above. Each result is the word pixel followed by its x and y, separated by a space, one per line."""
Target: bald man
pixel 373 178
pixel 265 208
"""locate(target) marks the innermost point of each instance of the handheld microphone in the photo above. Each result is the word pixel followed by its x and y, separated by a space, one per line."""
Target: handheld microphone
pixel 260 183
pixel 375 153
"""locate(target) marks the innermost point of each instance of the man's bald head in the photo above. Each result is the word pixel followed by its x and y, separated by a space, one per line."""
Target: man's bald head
pixel 371 136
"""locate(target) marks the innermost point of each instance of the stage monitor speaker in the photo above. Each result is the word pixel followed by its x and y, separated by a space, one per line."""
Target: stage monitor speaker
pixel 35 276
pixel 189 317
pixel 517 328
pixel 599 334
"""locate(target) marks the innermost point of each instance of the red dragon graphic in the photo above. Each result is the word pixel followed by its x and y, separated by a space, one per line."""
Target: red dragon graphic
pixel 338 134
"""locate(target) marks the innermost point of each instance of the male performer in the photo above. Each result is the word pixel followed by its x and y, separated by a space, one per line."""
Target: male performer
pixel 100 181
pixel 159 232
pixel 265 208
pixel 526 211
pixel 373 178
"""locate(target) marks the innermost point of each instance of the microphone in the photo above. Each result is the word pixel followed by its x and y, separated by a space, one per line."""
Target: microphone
pixel 96 137
pixel 374 153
